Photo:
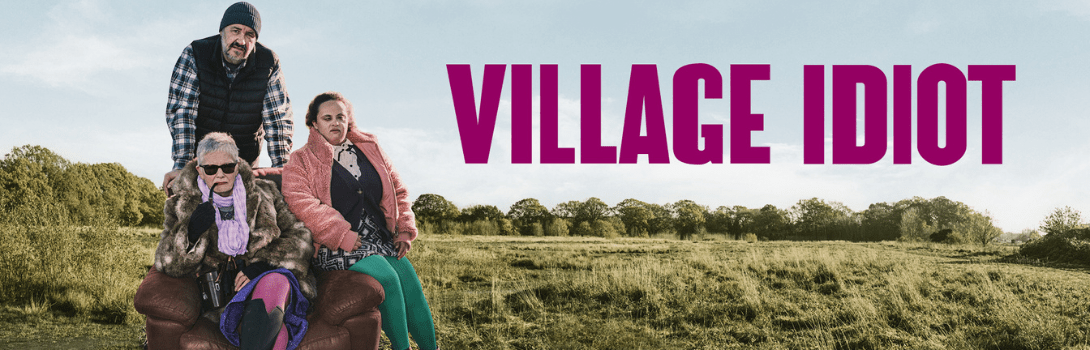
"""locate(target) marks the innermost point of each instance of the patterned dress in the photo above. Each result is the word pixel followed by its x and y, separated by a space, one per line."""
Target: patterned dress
pixel 374 237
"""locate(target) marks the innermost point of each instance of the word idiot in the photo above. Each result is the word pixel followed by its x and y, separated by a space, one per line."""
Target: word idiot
pixel 644 111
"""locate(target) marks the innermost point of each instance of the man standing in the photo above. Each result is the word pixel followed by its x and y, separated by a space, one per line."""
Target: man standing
pixel 229 83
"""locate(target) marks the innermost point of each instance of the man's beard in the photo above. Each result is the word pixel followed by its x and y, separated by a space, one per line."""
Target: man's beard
pixel 233 58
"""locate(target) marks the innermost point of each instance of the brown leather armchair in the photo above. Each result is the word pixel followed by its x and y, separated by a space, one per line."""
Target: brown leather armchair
pixel 344 315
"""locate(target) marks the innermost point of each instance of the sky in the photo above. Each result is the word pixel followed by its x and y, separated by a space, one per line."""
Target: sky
pixel 88 80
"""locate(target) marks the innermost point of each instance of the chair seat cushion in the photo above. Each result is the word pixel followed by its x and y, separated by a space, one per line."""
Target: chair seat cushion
pixel 206 335
pixel 321 335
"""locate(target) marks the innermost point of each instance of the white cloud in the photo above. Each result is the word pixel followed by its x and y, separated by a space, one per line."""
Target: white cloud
pixel 919 27
pixel 84 46
pixel 703 12
pixel 1077 8
pixel 54 64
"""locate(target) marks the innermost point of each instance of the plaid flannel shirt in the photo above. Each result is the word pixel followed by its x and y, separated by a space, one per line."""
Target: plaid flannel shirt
pixel 181 112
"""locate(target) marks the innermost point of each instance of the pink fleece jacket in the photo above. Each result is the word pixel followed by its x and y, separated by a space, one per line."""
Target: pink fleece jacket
pixel 306 190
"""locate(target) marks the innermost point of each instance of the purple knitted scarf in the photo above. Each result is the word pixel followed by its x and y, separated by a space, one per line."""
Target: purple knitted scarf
pixel 234 234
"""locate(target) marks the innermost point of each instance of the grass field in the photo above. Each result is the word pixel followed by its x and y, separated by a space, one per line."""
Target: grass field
pixel 72 288
pixel 534 293
pixel 491 292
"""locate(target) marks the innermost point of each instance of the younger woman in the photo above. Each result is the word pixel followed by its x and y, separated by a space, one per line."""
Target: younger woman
pixel 343 187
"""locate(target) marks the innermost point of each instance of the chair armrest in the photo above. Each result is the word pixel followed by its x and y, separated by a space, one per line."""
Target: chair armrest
pixel 343 294
pixel 168 298
pixel 259 172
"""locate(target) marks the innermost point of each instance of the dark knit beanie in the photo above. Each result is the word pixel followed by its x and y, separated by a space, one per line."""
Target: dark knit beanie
pixel 242 13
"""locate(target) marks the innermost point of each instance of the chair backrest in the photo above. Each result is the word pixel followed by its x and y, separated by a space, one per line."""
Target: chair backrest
pixel 271 174
pixel 275 178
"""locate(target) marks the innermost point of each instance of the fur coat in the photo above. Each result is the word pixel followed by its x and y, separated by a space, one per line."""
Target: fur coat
pixel 306 180
pixel 276 236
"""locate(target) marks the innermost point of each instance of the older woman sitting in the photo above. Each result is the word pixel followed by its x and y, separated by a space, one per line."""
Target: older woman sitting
pixel 223 219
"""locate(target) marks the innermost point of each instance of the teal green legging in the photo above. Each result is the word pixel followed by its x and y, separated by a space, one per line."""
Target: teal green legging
pixel 405 309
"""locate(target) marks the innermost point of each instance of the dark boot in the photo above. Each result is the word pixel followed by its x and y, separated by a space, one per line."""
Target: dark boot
pixel 259 328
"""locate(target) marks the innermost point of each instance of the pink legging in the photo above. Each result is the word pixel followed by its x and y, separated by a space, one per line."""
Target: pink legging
pixel 273 289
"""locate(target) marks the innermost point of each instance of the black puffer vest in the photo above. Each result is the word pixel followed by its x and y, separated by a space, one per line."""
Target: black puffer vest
pixel 232 107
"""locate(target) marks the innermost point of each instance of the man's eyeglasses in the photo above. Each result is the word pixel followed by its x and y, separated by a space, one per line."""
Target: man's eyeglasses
pixel 213 169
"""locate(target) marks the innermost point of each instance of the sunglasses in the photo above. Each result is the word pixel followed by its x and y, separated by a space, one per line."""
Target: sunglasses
pixel 213 169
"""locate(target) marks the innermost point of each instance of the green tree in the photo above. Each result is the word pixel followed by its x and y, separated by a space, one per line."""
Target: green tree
pixel 689 217
pixel 914 227
pixel 978 228
pixel 46 174
pixel 591 210
pixel 1061 220
pixel 947 213
pixel 850 227
pixel 536 229
pixel 436 209
pixel 38 187
pixel 480 227
pixel 816 219
pixel 586 212
pixel 939 212
pixel 605 228
pixel 718 220
pixel 481 212
pixel 739 220
pixel 26 195
pixel 557 227
pixel 84 197
pixel 583 228
pixel 881 221
pixel 771 223
pixel 112 184
pixel 527 212
pixel 662 220
pixel 566 210
pixel 506 227
pixel 617 224
pixel 636 216
pixel 151 200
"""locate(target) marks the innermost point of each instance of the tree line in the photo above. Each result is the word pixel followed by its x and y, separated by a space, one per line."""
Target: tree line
pixel 913 219
pixel 40 188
